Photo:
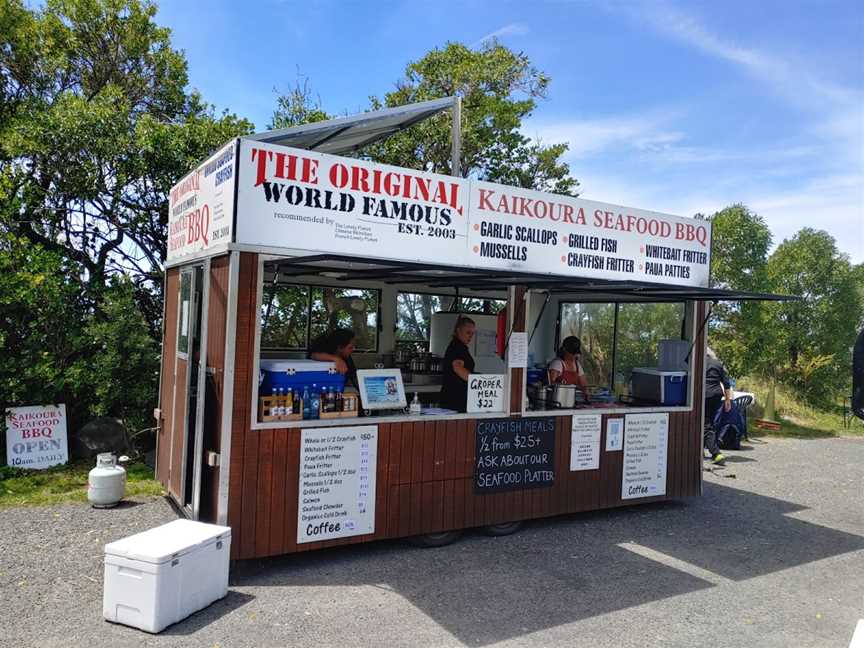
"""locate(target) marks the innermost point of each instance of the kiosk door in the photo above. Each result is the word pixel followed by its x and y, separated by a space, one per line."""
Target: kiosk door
pixel 189 373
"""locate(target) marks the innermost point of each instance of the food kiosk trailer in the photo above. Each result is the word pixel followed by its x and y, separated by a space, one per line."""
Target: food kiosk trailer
pixel 274 239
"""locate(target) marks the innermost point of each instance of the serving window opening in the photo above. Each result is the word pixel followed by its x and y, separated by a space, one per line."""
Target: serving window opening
pixel 329 346
pixel 630 354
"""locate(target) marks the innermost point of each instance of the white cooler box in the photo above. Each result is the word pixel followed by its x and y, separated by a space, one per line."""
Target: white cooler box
pixel 160 576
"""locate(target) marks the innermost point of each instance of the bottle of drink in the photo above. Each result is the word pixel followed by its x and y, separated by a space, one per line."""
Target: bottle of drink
pixel 415 407
pixel 289 403
pixel 277 402
pixel 307 403
pixel 331 399
pixel 339 401
pixel 314 402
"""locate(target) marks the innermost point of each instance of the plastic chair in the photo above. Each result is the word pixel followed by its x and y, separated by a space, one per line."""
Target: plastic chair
pixel 742 403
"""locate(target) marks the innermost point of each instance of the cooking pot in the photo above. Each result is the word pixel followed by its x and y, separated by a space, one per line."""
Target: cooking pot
pixel 564 395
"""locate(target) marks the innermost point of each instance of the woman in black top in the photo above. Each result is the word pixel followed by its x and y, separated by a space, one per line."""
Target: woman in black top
pixel 337 347
pixel 457 366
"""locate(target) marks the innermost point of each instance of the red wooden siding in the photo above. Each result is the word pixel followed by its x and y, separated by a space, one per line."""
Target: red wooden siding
pixel 217 311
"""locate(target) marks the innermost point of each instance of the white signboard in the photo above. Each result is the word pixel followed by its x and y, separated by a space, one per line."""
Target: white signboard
pixel 517 350
pixel 486 393
pixel 585 442
pixel 337 482
pixel 614 434
pixel 511 228
pixel 36 436
pixel 312 201
pixel 201 206
pixel 645 453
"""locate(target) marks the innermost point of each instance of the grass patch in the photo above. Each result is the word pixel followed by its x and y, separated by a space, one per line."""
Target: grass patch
pixel 63 484
pixel 798 419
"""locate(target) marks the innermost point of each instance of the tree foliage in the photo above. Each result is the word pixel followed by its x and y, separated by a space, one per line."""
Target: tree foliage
pixel 804 344
pixel 499 89
pixel 96 125
pixel 816 333
pixel 739 259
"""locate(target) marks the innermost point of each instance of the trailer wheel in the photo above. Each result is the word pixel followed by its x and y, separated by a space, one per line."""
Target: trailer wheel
pixel 505 529
pixel 429 540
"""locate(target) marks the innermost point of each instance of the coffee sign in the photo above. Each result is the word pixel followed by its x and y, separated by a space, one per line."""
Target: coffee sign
pixel 36 436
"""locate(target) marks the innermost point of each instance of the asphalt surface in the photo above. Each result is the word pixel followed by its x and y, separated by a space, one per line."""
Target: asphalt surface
pixel 771 555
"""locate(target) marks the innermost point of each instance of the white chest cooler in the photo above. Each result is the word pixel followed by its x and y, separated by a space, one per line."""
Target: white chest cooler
pixel 160 576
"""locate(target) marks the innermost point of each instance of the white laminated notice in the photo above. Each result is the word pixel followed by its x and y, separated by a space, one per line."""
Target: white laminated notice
pixel 336 497
pixel 645 455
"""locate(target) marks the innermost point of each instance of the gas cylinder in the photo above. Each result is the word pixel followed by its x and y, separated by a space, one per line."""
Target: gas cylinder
pixel 106 483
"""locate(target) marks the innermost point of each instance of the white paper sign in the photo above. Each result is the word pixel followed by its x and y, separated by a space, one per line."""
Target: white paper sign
pixel 298 199
pixel 614 434
pixel 517 350
pixel 201 206
pixel 585 442
pixel 512 228
pixel 36 436
pixel 336 497
pixel 486 393
pixel 645 455
pixel 485 343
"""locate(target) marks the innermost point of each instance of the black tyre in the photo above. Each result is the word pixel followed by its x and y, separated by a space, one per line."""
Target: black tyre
pixel 502 529
pixel 430 540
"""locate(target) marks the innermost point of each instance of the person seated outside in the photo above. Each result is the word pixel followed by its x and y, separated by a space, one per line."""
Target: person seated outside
pixel 718 391
pixel 565 368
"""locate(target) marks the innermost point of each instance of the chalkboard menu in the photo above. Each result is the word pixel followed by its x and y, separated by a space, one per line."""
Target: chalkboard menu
pixel 514 454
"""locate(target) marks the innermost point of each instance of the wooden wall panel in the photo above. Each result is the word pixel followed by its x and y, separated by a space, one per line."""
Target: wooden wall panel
pixel 217 312
pixel 166 392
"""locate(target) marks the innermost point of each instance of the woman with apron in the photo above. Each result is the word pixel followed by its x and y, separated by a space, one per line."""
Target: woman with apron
pixel 565 369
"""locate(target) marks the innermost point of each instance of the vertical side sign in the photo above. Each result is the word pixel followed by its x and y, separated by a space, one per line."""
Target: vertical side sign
pixel 646 439
pixel 201 206
pixel 336 497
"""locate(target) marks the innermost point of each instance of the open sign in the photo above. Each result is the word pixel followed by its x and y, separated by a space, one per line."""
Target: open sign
pixel 36 436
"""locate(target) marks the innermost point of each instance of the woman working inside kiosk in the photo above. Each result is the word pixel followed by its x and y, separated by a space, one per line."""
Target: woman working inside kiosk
pixel 458 366
pixel 337 347
pixel 566 369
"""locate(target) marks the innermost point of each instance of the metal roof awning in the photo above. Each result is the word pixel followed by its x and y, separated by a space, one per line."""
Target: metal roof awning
pixel 349 134
pixel 340 268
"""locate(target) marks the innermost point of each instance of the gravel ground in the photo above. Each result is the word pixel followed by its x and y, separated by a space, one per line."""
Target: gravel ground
pixel 771 555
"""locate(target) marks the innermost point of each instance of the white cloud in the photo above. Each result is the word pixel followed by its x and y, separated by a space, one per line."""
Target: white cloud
pixel 592 136
pixel 513 29
pixel 793 80
pixel 830 152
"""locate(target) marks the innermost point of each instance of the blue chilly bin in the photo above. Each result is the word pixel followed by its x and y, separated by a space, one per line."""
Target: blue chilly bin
pixel 297 374
pixel 661 387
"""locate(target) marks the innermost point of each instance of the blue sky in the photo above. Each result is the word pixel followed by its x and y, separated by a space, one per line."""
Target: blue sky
pixel 680 107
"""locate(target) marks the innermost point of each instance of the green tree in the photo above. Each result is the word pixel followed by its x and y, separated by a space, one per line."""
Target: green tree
pixel 739 261
pixel 297 107
pixel 95 127
pixel 816 333
pixel 499 89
